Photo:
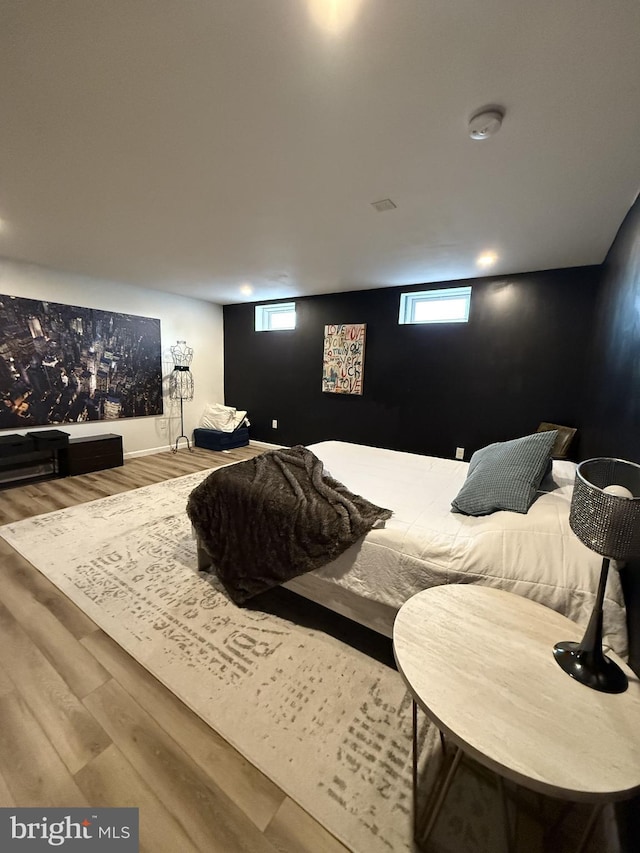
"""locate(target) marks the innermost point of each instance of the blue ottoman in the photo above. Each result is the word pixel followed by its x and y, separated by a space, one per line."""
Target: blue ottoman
pixel 214 439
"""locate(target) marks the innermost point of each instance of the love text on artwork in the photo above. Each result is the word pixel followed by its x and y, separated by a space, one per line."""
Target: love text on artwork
pixel 343 361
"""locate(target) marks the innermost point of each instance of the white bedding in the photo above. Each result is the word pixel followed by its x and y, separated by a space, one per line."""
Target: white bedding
pixel 425 544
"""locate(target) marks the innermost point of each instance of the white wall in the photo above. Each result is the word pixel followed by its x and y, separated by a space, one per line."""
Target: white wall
pixel 181 318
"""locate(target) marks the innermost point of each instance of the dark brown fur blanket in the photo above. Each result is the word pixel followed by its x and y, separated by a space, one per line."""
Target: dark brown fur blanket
pixel 273 517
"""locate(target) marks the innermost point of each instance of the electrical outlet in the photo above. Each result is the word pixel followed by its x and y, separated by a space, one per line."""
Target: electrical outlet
pixel 274 424
pixel 163 425
pixel 459 452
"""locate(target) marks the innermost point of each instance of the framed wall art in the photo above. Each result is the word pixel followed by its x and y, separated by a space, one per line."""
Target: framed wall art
pixel 65 364
pixel 343 360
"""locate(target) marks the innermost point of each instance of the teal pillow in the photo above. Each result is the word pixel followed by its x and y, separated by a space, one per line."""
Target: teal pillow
pixel 505 475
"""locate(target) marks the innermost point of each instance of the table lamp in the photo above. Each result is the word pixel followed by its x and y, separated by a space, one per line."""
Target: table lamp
pixel 605 515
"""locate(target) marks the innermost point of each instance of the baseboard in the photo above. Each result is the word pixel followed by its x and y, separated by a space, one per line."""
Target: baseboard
pixel 133 453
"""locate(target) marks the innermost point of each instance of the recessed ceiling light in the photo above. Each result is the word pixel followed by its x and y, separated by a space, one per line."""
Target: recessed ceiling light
pixel 246 289
pixel 334 16
pixel 486 259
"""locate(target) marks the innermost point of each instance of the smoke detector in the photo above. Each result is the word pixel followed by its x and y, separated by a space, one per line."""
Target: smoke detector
pixel 485 123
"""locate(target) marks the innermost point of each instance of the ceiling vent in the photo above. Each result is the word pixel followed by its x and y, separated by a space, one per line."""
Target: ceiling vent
pixel 385 204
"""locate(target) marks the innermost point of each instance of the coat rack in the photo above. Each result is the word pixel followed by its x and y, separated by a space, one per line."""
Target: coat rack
pixel 181 384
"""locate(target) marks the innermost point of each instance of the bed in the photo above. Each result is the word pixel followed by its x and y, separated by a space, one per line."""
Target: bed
pixel 425 544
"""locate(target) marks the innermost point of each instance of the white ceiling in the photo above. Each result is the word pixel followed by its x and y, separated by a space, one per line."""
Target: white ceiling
pixel 194 146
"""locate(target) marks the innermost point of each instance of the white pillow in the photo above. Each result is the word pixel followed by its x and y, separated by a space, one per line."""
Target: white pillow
pixel 220 417
pixel 562 474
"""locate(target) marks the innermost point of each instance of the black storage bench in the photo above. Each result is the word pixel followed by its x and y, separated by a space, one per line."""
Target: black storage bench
pixel 49 439
pixel 15 445
pixel 30 457
pixel 215 439
pixel 91 453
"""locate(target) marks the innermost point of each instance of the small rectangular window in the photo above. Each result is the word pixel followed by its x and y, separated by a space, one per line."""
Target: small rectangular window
pixel 436 306
pixel 272 318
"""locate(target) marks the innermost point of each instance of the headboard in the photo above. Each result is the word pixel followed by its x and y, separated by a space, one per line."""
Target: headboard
pixel 565 436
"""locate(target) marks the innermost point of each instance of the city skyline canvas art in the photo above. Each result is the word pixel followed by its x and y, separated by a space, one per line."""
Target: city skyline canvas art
pixel 67 364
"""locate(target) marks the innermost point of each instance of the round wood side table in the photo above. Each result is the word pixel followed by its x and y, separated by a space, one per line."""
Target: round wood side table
pixel 479 662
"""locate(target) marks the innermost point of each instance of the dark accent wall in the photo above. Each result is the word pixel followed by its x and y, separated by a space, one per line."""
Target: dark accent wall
pixel 519 360
pixel 611 424
pixel 612 413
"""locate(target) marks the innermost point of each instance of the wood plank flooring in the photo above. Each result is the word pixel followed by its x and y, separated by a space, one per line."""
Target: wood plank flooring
pixel 82 723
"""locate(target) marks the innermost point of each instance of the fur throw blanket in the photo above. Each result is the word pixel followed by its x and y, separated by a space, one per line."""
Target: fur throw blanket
pixel 273 517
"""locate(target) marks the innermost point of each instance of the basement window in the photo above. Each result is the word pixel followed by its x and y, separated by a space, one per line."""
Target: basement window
pixel 435 306
pixel 274 318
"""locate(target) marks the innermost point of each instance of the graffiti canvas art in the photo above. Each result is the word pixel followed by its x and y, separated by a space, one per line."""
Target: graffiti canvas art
pixel 343 363
pixel 65 364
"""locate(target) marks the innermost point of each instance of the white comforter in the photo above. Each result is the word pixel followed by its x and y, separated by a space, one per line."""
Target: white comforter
pixel 425 544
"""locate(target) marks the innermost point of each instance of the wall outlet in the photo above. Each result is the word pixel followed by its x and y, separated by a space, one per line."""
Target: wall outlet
pixel 459 452
pixel 163 425
pixel 274 424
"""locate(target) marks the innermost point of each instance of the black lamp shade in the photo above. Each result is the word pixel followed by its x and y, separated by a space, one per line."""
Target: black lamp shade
pixel 606 523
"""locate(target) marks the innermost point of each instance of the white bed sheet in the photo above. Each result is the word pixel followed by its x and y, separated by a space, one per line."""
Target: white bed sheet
pixel 425 544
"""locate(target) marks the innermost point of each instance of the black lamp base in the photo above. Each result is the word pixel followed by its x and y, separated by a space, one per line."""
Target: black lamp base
pixel 591 668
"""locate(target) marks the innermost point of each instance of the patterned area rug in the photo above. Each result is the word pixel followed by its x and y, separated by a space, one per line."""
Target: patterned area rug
pixel 288 697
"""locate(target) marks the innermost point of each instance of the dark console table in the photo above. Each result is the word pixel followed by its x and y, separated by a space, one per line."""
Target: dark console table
pixel 31 457
pixel 91 453
pixel 49 453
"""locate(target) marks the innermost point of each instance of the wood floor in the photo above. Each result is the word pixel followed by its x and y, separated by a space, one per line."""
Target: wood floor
pixel 81 723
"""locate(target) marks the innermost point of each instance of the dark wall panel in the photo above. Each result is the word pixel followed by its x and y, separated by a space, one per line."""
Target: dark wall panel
pixel 612 414
pixel 519 360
